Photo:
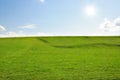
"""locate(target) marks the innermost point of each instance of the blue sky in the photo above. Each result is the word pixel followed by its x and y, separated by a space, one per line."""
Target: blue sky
pixel 59 17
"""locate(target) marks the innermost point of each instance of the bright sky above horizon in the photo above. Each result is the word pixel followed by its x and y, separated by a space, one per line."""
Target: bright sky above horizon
pixel 59 17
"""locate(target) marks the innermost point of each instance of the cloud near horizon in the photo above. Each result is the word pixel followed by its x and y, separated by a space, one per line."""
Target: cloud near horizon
pixel 23 34
pixel 12 33
pixel 110 26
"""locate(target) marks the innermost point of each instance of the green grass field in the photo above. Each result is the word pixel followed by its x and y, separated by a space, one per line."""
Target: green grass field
pixel 60 58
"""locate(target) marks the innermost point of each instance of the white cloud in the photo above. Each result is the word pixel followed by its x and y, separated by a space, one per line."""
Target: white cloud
pixel 2 28
pixel 110 26
pixel 23 34
pixel 31 26
pixel 42 1
pixel 117 22
pixel 11 33
pixel 14 34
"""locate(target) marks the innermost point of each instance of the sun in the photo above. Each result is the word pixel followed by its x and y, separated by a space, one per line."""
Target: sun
pixel 90 10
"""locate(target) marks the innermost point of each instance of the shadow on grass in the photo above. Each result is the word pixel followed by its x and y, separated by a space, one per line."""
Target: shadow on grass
pixel 79 46
pixel 43 40
pixel 88 45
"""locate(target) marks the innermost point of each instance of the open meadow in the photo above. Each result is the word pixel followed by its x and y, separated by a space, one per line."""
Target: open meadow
pixel 60 58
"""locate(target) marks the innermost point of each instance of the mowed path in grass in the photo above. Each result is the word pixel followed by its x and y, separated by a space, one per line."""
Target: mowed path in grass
pixel 60 58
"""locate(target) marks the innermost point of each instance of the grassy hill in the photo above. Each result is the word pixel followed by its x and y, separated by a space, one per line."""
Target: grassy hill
pixel 60 58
